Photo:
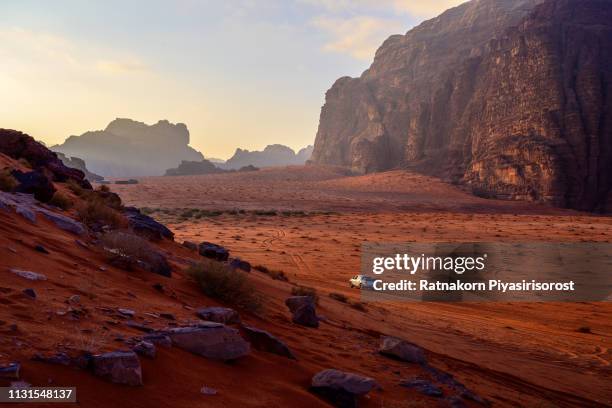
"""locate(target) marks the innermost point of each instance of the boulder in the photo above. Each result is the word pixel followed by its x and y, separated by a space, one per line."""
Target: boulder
pixel 120 367
pixel 238 263
pixel 401 350
pixel 145 348
pixel 303 310
pixel 146 226
pixel 34 182
pixel 63 222
pixel 213 251
pixel 264 341
pixel 223 315
pixel 158 339
pixel 342 388
pixel 29 292
pixel 10 371
pixel 211 340
pixel 423 386
pixel 58 359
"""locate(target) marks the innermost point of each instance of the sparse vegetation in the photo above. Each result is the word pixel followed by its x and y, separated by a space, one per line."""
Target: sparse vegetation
pixel 7 181
pixel 96 211
pixel 339 297
pixel 220 282
pixel 584 329
pixel 126 251
pixel 61 200
pixel 273 273
pixel 299 290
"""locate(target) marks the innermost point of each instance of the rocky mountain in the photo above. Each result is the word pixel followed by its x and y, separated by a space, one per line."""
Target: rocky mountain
pixel 77 163
pixel 188 168
pixel 272 155
pixel 129 148
pixel 510 97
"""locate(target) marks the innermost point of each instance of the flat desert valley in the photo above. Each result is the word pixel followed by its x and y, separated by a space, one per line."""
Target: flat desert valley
pixel 310 223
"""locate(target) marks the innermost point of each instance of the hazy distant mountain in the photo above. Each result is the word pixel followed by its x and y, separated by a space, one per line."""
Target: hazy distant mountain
pixel 78 163
pixel 130 148
pixel 272 155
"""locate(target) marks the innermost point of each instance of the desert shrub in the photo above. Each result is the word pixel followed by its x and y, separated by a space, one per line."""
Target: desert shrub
pixel 61 200
pixel 75 187
pixel 96 211
pixel 273 273
pixel 339 297
pixel 7 181
pixel 222 283
pixel 584 329
pixel 126 251
pixel 266 213
pixel 359 306
pixel 305 291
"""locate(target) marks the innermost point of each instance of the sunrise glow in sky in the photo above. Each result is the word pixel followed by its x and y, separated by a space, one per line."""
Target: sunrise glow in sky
pixel 239 73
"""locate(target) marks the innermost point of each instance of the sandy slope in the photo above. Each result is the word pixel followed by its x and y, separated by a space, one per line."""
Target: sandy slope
pixel 515 353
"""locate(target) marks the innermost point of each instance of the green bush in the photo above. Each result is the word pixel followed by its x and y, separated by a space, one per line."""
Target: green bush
pixel 220 282
pixel 61 200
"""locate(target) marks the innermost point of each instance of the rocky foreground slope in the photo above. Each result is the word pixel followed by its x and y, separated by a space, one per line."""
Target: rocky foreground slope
pixel 512 98
pixel 99 297
pixel 127 148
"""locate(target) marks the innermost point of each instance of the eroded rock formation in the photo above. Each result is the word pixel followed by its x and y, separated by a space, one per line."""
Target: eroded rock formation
pixel 512 98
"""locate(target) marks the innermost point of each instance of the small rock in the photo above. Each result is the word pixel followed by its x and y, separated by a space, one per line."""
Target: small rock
pixel 342 388
pixel 264 341
pixel 401 350
pixel 210 340
pixel 139 326
pixel 303 310
pixel 29 292
pixel 29 275
pixel 167 316
pixel 10 371
pixel 208 391
pixel 59 358
pixel 423 386
pixel 146 349
pixel 81 244
pixel 158 287
pixel 213 251
pixel 157 339
pixel 74 299
pixel 119 367
pixel 219 315
pixel 126 312
pixel 41 249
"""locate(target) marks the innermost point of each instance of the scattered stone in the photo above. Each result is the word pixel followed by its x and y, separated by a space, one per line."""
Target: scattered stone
pixel 10 371
pixel 167 316
pixel 81 244
pixel 59 358
pixel 210 340
pixel 74 299
pixel 119 367
pixel 139 326
pixel 342 388
pixel 146 226
pixel 219 315
pixel 190 245
pixel 458 387
pixel 126 312
pixel 29 275
pixel 208 391
pixel 213 251
pixel 63 222
pixel 146 349
pixel 401 350
pixel 423 386
pixel 264 341
pixel 41 249
pixel 158 339
pixel 29 292
pixel 26 213
pixel 303 310
pixel 238 263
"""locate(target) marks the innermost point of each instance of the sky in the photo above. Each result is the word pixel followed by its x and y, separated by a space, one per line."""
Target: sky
pixel 239 73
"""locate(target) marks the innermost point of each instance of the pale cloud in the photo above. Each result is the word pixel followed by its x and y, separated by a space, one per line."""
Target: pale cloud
pixel 121 67
pixel 358 37
pixel 417 8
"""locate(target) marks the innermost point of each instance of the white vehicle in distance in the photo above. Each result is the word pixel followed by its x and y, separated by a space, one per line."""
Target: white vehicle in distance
pixel 361 282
